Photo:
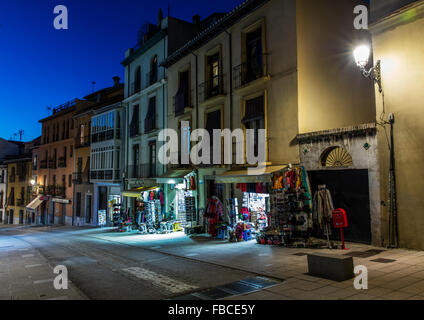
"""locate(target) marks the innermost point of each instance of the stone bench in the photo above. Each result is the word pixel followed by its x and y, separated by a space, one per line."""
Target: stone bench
pixel 331 266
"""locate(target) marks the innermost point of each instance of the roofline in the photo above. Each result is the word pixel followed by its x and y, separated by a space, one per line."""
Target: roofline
pixel 213 30
pixel 160 35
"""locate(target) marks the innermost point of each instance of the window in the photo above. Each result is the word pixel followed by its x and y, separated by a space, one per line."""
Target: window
pixel 135 122
pixel 150 121
pixel 78 205
pixel 213 78
pixel 136 161
pixel 152 159
pixel 182 97
pixel 70 180
pixel 213 121
pixel 71 153
pixel 137 80
pixel 153 70
pixel 254 117
pixel 254 55
pixel 34 162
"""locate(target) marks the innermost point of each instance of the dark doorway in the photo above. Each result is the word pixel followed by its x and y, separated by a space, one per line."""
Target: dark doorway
pixel 21 216
pixel 63 214
pixel 350 191
pixel 102 205
pixel 11 214
pixel 88 209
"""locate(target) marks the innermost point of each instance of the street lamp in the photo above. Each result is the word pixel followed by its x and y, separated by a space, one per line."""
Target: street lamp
pixel 362 56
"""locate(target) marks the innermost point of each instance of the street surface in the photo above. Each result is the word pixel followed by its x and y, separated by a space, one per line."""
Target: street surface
pixel 103 264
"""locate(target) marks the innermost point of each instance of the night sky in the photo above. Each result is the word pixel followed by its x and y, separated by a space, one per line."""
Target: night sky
pixel 41 66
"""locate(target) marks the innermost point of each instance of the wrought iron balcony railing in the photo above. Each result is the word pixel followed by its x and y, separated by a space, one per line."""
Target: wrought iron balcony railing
pixel 246 73
pixel 141 171
pixel 211 88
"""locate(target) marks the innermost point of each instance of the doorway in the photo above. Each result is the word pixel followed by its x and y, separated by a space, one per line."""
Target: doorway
pixel 350 191
pixel 63 214
pixel 11 214
pixel 88 209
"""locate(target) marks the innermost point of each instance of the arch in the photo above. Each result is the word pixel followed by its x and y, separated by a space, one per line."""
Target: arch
pixel 336 157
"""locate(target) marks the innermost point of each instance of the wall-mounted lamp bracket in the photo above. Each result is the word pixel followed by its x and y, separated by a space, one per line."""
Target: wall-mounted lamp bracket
pixel 375 74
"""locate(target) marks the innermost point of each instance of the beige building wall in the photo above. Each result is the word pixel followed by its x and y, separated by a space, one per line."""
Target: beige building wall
pixel 332 92
pixel 397 44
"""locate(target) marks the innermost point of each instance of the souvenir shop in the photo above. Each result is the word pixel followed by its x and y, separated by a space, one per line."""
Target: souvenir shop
pixel 181 197
pixel 245 211
pixel 144 212
pixel 277 209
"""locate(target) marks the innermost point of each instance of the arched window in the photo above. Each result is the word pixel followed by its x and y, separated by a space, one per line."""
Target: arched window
pixel 137 80
pixel 154 70
pixel 336 157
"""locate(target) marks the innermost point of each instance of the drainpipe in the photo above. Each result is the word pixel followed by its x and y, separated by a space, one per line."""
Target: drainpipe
pixel 197 126
pixel 230 45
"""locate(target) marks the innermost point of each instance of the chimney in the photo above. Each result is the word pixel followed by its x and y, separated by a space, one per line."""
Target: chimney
pixel 196 19
pixel 160 17
pixel 116 81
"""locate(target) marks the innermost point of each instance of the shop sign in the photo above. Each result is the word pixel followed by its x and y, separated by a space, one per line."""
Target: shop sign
pixel 59 200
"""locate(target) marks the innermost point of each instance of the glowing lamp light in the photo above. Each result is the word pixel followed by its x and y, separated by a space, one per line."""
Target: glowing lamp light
pixel 362 55
pixel 32 182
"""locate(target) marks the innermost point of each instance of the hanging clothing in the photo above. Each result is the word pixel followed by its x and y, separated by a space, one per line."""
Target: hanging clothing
pixel 323 207
pixel 277 182
pixel 192 183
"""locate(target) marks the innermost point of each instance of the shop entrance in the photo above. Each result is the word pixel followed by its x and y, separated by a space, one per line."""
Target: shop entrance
pixel 350 191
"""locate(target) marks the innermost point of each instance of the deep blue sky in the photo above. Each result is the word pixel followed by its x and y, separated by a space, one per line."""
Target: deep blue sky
pixel 41 66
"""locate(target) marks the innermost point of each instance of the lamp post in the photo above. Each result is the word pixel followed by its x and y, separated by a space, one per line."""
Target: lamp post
pixel 362 54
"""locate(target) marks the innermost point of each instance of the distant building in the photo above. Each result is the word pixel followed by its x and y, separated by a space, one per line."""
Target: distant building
pixel 146 101
pixel 54 165
pixel 19 187
pixel 100 164
pixel 6 148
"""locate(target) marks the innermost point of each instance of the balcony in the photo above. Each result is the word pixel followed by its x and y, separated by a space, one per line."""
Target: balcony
pixel 51 190
pixel 135 87
pixel 141 171
pixel 42 190
pixel 151 78
pixel 43 164
pixel 246 73
pixel 20 202
pixel 212 88
pixel 52 164
pixel 108 175
pixel 62 162
pixel 181 101
pixel 150 124
pixel 77 178
pixel 82 142
pixel 60 191
pixel 12 178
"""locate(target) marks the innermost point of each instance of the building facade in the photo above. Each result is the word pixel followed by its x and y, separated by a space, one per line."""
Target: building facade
pixel 106 156
pixel 396 28
pixel 53 172
pixel 146 103
pixel 7 148
pixel 248 72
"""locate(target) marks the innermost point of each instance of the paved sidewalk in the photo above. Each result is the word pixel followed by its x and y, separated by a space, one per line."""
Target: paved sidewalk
pixel 26 275
pixel 398 274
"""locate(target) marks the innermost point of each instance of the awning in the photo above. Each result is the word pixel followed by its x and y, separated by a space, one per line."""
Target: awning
pixel 136 192
pixel 174 176
pixel 254 175
pixel 34 204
